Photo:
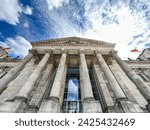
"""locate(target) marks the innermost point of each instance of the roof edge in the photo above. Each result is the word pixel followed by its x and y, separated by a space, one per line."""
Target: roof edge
pixel 72 38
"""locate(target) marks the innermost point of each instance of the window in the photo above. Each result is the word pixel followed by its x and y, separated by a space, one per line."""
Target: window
pixel 72 97
pixel 143 77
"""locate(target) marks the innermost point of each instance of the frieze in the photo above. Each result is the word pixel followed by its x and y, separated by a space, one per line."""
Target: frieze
pixel 137 62
pixel 10 60
pixel 73 42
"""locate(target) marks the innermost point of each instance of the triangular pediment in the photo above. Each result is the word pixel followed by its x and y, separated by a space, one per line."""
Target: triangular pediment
pixel 73 41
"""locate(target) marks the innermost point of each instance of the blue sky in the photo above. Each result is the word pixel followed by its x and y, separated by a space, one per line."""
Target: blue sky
pixel 72 94
pixel 124 22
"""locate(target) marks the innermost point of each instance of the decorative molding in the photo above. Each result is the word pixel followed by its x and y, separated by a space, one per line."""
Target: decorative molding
pixel 10 60
pixel 73 41
pixel 137 62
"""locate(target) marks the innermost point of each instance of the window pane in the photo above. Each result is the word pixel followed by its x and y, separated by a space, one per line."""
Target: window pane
pixel 72 90
pixel 72 97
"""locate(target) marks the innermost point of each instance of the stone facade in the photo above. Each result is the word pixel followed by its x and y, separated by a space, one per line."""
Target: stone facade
pixel 3 53
pixel 105 83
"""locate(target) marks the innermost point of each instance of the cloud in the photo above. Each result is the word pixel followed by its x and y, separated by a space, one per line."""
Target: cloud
pixel 118 22
pixel 19 46
pixel 115 21
pixel 72 90
pixel 56 3
pixel 139 42
pixel 10 11
pixel 26 24
pixel 27 10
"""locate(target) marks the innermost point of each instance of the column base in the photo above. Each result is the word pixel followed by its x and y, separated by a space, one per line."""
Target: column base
pixel 148 107
pixel 50 107
pixel 31 109
pixel 12 107
pixel 91 107
pixel 129 107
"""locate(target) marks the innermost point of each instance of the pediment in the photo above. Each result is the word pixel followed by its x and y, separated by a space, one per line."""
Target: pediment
pixel 73 41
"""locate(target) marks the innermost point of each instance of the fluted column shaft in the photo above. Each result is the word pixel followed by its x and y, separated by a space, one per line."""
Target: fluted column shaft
pixel 10 75
pixel 119 94
pixel 144 88
pixel 56 87
pixel 29 85
pixel 106 98
pixel 42 87
pixel 86 86
pixel 147 74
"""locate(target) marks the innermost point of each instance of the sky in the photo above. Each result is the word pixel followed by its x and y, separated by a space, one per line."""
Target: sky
pixel 124 22
pixel 73 94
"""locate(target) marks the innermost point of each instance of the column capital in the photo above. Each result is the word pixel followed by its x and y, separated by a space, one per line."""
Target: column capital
pixel 48 51
pixel 81 51
pixel 113 53
pixel 84 50
pixel 35 55
pixel 116 57
pixel 64 51
pixel 33 51
pixel 97 51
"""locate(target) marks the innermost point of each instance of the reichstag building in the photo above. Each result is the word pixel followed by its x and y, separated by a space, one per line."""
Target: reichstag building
pixel 74 75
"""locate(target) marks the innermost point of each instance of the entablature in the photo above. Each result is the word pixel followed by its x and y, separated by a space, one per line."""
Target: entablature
pixel 72 51
pixel 138 64
pixel 73 42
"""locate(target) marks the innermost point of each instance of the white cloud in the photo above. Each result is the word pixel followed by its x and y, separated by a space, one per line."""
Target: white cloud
pixel 10 11
pixel 56 3
pixel 117 24
pixel 26 24
pixel 72 90
pixel 113 21
pixel 19 46
pixel 27 10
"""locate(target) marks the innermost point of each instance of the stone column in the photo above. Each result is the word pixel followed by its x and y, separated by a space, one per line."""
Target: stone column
pixel 143 88
pixel 41 89
pixel 56 87
pixel 15 86
pixel 89 105
pixel 87 87
pixel 1 70
pixel 10 75
pixel 54 102
pixel 147 74
pixel 118 92
pixel 29 85
pixel 107 101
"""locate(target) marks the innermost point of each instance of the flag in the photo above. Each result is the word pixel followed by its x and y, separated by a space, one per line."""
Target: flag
pixel 7 49
pixel 135 50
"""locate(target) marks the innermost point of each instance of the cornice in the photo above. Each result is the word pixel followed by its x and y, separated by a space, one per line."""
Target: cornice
pixel 10 60
pixel 137 62
pixel 73 41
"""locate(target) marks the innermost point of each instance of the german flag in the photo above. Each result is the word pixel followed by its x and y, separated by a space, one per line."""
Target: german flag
pixel 6 49
pixel 135 50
